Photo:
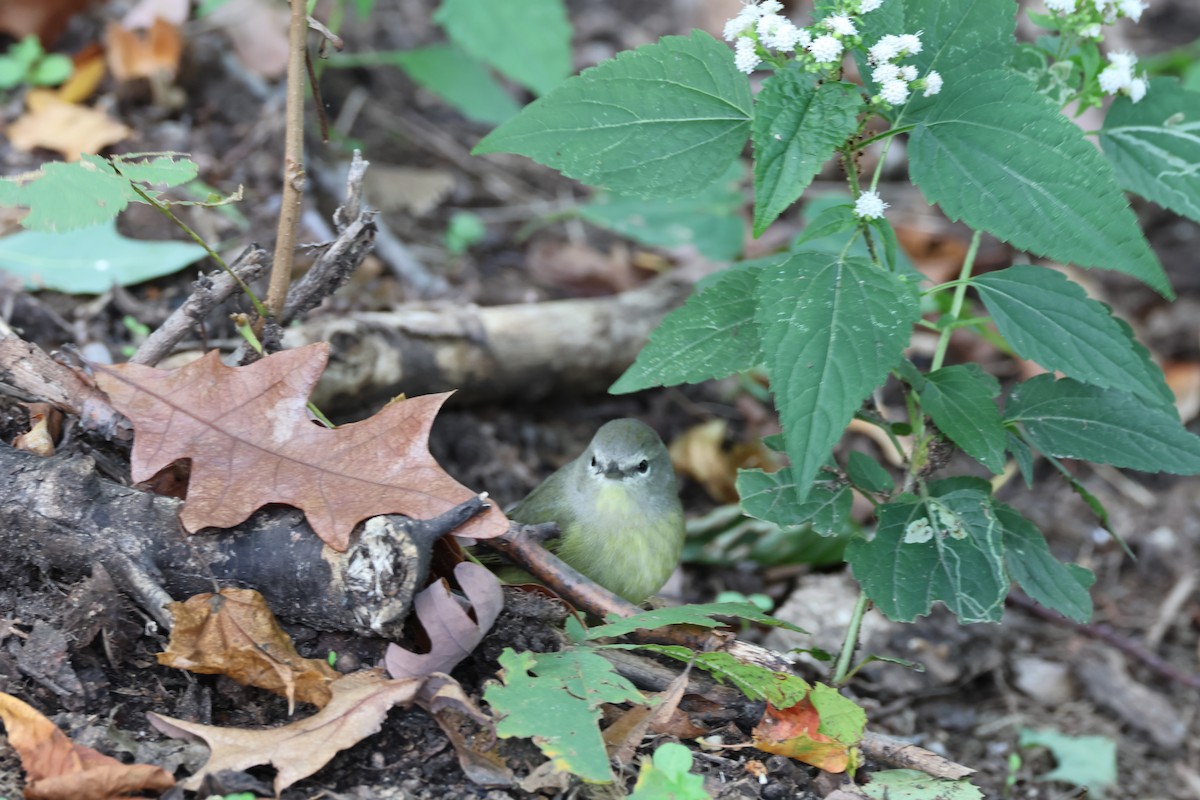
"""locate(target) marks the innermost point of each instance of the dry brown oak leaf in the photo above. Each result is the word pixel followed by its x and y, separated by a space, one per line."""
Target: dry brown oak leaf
pixel 250 441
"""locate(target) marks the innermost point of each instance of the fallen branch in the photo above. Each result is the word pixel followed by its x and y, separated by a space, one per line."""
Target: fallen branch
pixel 59 514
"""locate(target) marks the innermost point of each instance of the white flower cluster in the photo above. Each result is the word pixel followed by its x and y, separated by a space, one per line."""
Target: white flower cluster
pixel 1110 10
pixel 869 206
pixel 760 24
pixel 894 79
pixel 1118 76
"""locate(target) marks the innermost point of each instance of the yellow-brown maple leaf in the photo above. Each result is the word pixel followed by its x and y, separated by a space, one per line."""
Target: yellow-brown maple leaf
pixel 250 441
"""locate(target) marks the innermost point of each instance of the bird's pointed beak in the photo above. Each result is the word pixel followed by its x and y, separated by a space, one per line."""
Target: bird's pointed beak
pixel 612 471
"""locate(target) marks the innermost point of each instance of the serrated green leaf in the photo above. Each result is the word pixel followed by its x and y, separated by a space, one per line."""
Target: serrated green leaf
pixel 714 334
pixel 1068 419
pixel 65 196
pixel 92 260
pixel 665 120
pixel 1049 319
pixel 168 169
pixel 867 474
pixel 1044 578
pixel 1154 145
pixel 1021 454
pixel 958 561
pixel 708 221
pixel 961 39
pixel 772 496
pixel 834 230
pixel 780 689
pixel 701 614
pixel 842 719
pixel 832 328
pixel 995 153
pixel 797 126
pixel 961 401
pixel 554 698
pixel 527 40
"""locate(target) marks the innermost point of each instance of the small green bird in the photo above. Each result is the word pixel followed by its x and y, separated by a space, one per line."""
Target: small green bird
pixel 618 508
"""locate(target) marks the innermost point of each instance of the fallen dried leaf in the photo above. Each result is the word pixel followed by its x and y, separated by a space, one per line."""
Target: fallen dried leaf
pixel 235 634
pixel 152 54
pixel 258 30
pixel 45 423
pixel 792 732
pixel 472 732
pixel 68 128
pixel 360 703
pixel 58 769
pixel 452 634
pixel 247 433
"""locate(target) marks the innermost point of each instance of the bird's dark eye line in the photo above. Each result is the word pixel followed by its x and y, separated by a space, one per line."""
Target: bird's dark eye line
pixel 643 465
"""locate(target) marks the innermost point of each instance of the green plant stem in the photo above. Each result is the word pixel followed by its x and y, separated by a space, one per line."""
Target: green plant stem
pixel 841 669
pixel 165 209
pixel 960 295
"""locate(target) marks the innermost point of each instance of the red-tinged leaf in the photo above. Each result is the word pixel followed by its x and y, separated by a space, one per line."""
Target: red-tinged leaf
pixel 792 732
pixel 247 433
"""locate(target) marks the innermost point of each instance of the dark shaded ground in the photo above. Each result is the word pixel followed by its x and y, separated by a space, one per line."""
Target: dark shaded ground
pixel 982 685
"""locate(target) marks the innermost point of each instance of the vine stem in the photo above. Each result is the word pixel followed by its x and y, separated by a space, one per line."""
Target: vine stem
pixel 841 669
pixel 960 295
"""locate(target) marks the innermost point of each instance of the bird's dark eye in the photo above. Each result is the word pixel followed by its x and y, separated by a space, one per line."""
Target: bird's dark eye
pixel 643 466
pixel 595 463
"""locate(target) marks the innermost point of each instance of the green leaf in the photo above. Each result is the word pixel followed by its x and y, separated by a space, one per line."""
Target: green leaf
pixel 949 548
pixel 1044 578
pixel 51 70
pixel 842 719
pixel 797 126
pixel 68 196
pixel 867 474
pixel 714 334
pixel 555 698
pixel 832 329
pixel 772 496
pixel 961 401
pixel 458 79
pixel 153 169
pixel 92 260
pixel 1022 455
pixel 1089 761
pixel 527 40
pixel 959 40
pixel 995 153
pixel 700 614
pixel 709 220
pixel 780 689
pixel 1068 419
pixel 668 776
pixel 1154 145
pixel 911 784
pixel 1050 319
pixel 665 120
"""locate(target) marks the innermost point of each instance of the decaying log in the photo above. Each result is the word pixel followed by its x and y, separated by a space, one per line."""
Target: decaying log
pixel 59 515
pixel 525 350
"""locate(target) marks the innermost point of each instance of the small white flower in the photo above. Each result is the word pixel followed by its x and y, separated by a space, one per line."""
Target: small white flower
pixel 869 205
pixel 1132 9
pixel 908 72
pixel 803 37
pixel 885 49
pixel 1061 6
pixel 885 72
pixel 910 43
pixel 1123 59
pixel 777 33
pixel 745 57
pixel 825 49
pixel 742 23
pixel 1114 78
pixel 933 83
pixel 1137 89
pixel 770 6
pixel 894 92
pixel 869 5
pixel 840 24
pixel 1093 31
